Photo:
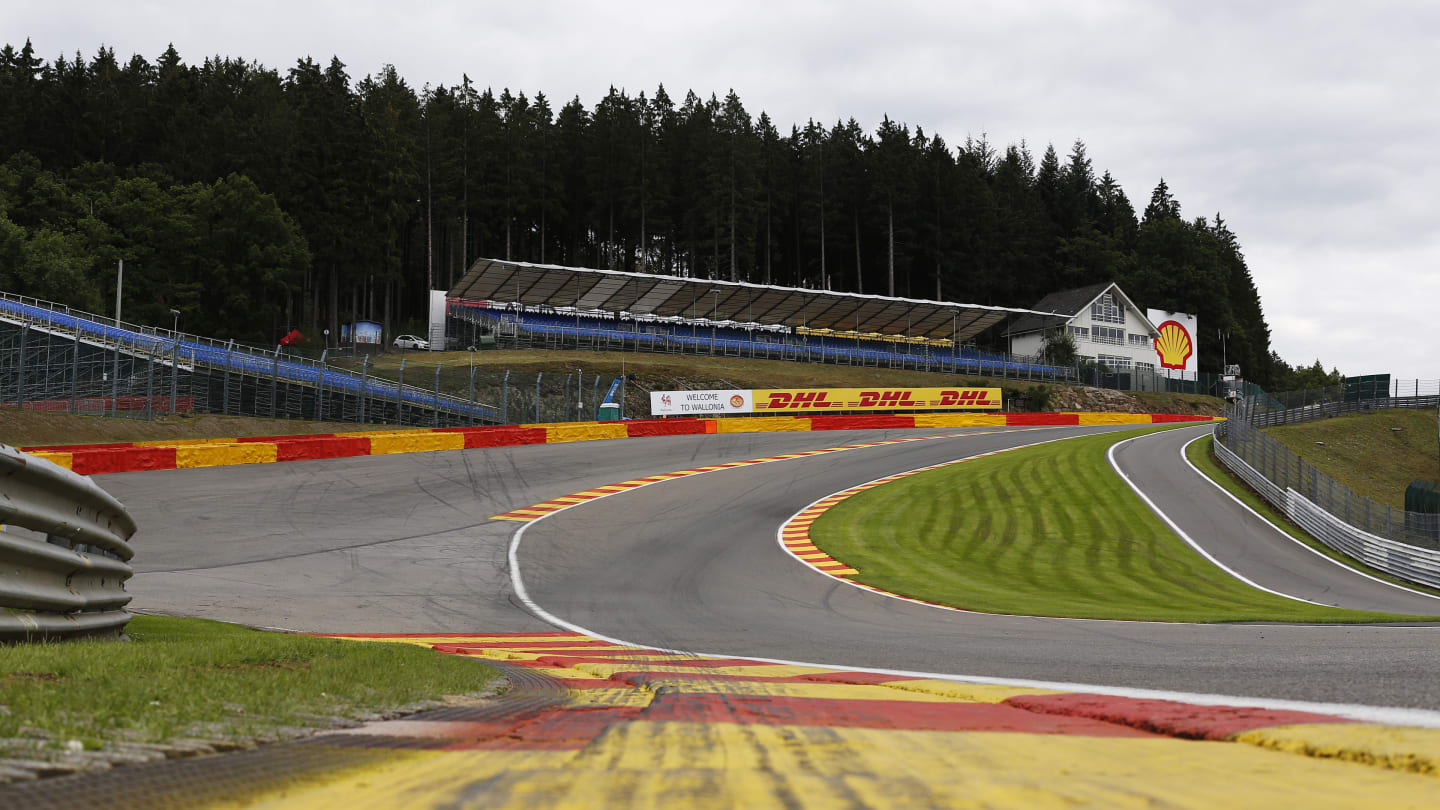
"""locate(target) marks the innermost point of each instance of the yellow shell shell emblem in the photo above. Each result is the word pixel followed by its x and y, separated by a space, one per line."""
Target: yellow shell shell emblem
pixel 1174 345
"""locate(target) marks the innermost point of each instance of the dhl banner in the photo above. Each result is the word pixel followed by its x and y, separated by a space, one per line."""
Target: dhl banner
pixel 779 400
pixel 796 400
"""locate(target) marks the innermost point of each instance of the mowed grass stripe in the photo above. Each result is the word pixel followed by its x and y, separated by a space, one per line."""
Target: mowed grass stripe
pixel 1047 530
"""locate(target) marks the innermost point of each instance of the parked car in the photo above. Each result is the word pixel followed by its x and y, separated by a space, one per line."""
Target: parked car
pixel 411 342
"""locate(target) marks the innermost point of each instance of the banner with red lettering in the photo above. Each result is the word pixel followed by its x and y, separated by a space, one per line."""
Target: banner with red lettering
pixel 793 400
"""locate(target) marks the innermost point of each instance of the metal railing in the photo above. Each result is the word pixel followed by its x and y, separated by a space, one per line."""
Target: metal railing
pixel 64 553
pixel 1333 512
pixel 52 358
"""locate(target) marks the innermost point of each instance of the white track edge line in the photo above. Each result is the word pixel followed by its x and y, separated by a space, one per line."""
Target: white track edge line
pixel 1387 715
pixel 1189 541
pixel 1286 534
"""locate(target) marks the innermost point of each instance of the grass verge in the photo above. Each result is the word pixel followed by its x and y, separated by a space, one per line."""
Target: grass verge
pixel 21 428
pixel 191 678
pixel 1375 454
pixel 1202 454
pixel 1047 530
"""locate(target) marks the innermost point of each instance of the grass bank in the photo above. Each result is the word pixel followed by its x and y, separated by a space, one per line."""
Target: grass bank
pixel 1375 454
pixel 20 428
pixel 1048 530
pixel 190 678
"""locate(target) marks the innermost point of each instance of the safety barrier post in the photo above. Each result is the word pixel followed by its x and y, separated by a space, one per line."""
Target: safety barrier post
pixel 538 375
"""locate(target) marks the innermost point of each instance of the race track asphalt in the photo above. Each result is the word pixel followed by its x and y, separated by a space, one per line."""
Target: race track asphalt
pixel 404 544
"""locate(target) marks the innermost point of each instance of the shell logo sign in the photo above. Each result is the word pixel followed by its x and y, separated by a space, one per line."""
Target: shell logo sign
pixel 1174 345
pixel 1177 347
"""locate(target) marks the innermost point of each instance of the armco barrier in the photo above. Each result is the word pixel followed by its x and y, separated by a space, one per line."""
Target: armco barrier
pixel 68 578
pixel 132 457
pixel 1409 562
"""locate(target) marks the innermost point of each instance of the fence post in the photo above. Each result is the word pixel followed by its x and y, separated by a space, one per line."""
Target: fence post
pixel 400 395
pixel 274 380
pixel 75 373
pixel 174 373
pixel 115 382
pixel 595 395
pixel 538 375
pixel 435 403
pixel 364 372
pixel 149 385
pixel 566 416
pixel 505 398
pixel 472 390
pixel 320 389
pixel 226 406
pixel 20 369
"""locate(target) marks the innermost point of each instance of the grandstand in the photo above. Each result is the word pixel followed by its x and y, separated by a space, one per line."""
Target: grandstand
pixel 57 359
pixel 525 305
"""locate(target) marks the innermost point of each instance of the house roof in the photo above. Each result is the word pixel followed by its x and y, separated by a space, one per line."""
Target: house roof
pixel 1066 304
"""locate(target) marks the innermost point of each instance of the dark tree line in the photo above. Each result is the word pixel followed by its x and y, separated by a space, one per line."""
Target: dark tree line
pixel 254 200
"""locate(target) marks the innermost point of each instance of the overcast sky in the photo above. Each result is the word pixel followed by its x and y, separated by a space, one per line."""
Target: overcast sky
pixel 1311 127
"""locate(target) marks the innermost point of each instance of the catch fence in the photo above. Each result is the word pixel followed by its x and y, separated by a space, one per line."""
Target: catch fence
pixel 1281 476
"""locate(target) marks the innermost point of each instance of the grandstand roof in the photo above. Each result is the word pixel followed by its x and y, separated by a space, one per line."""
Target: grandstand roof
pixel 644 294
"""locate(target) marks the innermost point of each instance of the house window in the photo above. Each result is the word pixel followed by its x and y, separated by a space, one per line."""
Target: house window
pixel 1139 366
pixel 1141 340
pixel 1080 332
pixel 1108 334
pixel 1106 309
pixel 1114 362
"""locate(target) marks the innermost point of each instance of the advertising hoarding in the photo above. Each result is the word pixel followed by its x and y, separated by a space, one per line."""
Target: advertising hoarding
pixel 700 403
pixel 803 400
pixel 1177 350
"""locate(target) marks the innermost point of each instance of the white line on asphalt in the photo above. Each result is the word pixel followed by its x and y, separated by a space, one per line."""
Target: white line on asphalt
pixel 1189 541
pixel 1286 534
pixel 1370 714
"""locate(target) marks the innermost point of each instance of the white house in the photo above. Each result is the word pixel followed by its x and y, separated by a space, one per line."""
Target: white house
pixel 1107 327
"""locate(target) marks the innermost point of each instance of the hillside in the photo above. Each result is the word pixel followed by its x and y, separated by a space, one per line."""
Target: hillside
pixel 1375 454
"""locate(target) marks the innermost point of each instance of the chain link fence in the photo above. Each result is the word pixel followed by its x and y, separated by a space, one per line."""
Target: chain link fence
pixel 1284 471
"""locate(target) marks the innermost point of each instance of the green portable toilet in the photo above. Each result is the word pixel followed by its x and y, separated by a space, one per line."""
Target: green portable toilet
pixel 609 412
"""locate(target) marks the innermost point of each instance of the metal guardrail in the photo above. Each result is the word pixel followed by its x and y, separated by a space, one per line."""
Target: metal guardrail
pixel 1406 560
pixel 63 552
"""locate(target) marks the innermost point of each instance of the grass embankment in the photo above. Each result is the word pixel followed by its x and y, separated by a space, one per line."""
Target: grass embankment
pixel 1202 454
pixel 1375 454
pixel 673 371
pixel 1047 530
pixel 20 428
pixel 191 678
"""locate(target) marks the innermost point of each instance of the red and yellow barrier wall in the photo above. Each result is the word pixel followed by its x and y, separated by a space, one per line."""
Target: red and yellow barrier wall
pixel 94 459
